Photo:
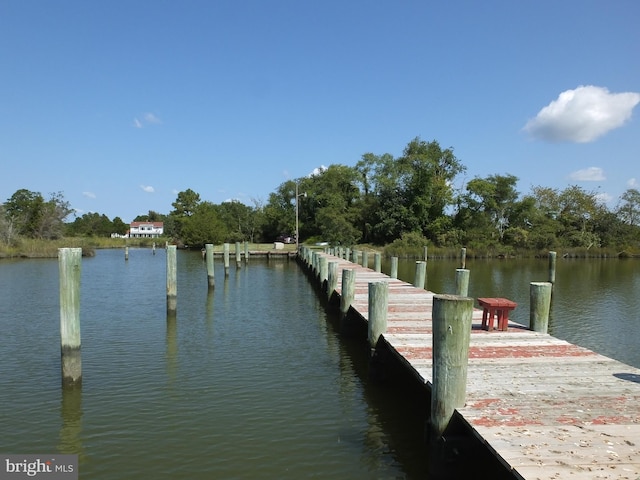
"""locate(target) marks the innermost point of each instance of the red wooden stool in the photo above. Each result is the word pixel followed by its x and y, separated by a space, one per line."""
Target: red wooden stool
pixel 496 306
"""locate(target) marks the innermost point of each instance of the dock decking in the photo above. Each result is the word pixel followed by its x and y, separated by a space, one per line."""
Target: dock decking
pixel 547 408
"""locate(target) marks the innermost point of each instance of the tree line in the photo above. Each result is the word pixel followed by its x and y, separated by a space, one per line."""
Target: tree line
pixel 380 200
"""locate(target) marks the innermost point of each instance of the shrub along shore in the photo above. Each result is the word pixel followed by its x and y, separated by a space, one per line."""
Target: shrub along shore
pixel 34 248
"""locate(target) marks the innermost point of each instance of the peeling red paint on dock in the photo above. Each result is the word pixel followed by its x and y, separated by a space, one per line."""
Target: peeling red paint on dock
pixel 548 408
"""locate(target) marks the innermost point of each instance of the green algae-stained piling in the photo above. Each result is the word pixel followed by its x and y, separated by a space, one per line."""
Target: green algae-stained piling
pixel 540 305
pixel 225 256
pixel 172 278
pixel 378 306
pixel 238 255
pixel 541 407
pixel 126 253
pixel 421 274
pixel 394 267
pixel 70 265
pixel 462 282
pixel 377 262
pixel 451 334
pixel 246 252
pixel 211 281
pixel 348 289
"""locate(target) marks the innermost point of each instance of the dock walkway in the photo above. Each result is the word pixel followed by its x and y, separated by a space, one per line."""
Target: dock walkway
pixel 549 409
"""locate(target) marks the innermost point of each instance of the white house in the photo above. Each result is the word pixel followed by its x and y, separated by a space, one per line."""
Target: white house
pixel 146 229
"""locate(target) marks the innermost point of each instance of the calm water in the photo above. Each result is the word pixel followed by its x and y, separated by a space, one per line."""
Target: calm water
pixel 252 380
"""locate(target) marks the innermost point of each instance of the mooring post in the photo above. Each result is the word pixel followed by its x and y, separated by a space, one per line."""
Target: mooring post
pixel 377 262
pixel 462 282
pixel 172 278
pixel 394 267
pixel 356 256
pixel 365 259
pixel 69 265
pixel 225 254
pixel 451 333
pixel 540 306
pixel 211 282
pixel 421 274
pixel 238 256
pixel 246 252
pixel 348 291
pixel 426 253
pixel 552 268
pixel 378 305
pixel 463 257
pixel 153 248
pixel 126 253
pixel 332 282
pixel 347 253
pixel 323 267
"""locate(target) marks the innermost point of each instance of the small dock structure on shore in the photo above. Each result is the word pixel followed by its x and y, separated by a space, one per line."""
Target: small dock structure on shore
pixel 547 409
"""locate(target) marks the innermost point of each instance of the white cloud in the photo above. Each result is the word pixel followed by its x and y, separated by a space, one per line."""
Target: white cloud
pixel 632 183
pixel 604 197
pixel 591 174
pixel 147 188
pixel 582 115
pixel 318 170
pixel 147 119
pixel 89 194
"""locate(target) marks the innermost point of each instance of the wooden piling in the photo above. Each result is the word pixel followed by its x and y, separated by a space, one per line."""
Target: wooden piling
pixel 394 267
pixel 332 279
pixel 378 306
pixel 347 253
pixel 421 274
pixel 539 306
pixel 153 248
pixel 225 255
pixel 348 290
pixel 365 259
pixel 552 267
pixel 126 253
pixel 238 255
pixel 426 253
pixel 463 257
pixel 450 340
pixel 323 269
pixel 211 282
pixel 246 252
pixel 462 282
pixel 69 265
pixel 172 278
pixel 377 262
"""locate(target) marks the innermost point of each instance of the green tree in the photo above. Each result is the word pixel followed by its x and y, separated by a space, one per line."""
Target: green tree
pixel 203 226
pixel 628 209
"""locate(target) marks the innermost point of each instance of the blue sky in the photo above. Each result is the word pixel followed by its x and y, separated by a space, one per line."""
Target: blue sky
pixel 120 105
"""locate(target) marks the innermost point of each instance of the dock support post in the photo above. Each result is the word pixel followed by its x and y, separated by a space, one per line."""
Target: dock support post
pixel 552 268
pixel 540 305
pixel 323 268
pixel 238 255
pixel 347 253
pixel 462 282
pixel 463 257
pixel 172 278
pixel 421 274
pixel 225 254
pixel 332 279
pixel 69 265
pixel 394 267
pixel 348 291
pixel 378 305
pixel 211 282
pixel 365 259
pixel 377 262
pixel 246 252
pixel 126 253
pixel 451 333
pixel 426 253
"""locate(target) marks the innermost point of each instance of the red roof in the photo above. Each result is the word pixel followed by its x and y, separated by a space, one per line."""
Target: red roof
pixel 155 224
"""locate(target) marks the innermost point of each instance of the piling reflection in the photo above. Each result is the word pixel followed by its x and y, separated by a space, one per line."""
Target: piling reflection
pixel 172 347
pixel 70 438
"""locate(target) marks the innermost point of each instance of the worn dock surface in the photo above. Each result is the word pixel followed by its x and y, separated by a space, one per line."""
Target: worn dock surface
pixel 548 409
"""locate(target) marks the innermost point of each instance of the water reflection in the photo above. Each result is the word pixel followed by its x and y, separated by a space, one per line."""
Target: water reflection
pixel 70 438
pixel 172 347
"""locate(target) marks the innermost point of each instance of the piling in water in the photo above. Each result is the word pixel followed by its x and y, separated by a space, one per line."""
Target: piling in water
pixel 348 291
pixel 332 281
pixel 451 334
pixel 394 267
pixel 463 257
pixel 126 253
pixel 552 267
pixel 69 264
pixel 225 254
pixel 238 255
pixel 172 279
pixel 211 281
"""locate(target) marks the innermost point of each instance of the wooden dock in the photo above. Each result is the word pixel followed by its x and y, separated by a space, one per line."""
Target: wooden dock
pixel 546 408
